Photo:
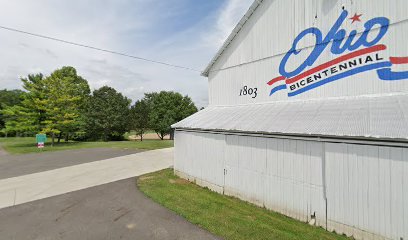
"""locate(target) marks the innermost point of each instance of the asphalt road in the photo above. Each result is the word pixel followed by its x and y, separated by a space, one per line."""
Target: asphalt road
pixel 17 165
pixel 2 152
pixel 116 210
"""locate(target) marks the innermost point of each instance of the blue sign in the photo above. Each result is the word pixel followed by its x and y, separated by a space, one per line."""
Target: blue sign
pixel 41 138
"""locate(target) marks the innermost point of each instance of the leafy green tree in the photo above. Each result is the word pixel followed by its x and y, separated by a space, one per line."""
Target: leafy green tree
pixel 107 114
pixel 168 108
pixel 33 101
pixel 9 98
pixel 139 117
pixel 19 120
pixel 66 95
pixel 26 116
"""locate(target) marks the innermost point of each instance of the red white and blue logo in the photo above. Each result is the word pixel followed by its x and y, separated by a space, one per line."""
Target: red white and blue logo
pixel 364 54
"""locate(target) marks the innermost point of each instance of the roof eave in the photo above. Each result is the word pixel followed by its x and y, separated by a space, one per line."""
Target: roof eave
pixel 367 140
pixel 231 37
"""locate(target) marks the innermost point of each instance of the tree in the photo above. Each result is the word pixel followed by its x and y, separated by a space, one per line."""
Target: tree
pixel 33 101
pixel 107 114
pixel 66 95
pixel 27 115
pixel 9 98
pixel 52 105
pixel 139 117
pixel 18 120
pixel 168 108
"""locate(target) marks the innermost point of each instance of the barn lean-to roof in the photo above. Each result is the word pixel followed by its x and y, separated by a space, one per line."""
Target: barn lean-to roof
pixel 368 117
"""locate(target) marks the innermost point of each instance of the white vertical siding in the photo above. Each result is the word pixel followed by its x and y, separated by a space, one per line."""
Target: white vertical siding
pixel 366 186
pixel 245 178
pixel 294 179
pixel 283 175
pixel 253 57
pixel 200 155
pixel 367 189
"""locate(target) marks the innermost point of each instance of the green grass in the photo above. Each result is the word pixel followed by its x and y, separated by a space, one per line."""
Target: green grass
pixel 225 216
pixel 131 133
pixel 27 145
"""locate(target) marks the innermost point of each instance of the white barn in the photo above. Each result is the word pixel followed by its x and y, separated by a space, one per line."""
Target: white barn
pixel 308 115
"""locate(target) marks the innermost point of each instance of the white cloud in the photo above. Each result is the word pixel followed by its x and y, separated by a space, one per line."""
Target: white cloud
pixel 131 26
pixel 229 16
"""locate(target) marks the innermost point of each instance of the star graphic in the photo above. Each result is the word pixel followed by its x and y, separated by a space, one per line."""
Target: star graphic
pixel 356 18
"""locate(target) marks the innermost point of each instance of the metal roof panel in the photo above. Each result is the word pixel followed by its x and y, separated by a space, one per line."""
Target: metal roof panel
pixel 373 117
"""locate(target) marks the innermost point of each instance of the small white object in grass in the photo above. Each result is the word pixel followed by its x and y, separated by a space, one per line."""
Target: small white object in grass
pixel 130 226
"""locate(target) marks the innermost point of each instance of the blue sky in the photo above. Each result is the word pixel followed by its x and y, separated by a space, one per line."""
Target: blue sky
pixel 182 32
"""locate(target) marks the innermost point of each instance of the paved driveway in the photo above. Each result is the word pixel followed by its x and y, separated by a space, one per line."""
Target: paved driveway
pixel 2 153
pixel 17 165
pixel 31 187
pixel 112 211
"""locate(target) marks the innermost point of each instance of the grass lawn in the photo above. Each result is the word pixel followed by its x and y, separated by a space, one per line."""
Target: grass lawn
pixel 134 133
pixel 225 216
pixel 27 145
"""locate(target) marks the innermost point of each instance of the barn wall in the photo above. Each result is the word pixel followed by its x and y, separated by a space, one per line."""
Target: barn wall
pixel 284 175
pixel 207 165
pixel 366 186
pixel 254 56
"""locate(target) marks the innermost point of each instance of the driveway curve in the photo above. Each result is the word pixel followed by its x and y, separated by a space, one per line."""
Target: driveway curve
pixel 115 210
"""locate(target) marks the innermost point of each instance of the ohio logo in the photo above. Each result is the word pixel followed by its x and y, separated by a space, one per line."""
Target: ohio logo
pixel 364 54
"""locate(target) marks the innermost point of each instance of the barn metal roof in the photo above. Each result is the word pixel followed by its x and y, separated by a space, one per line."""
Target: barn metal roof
pixel 233 34
pixel 384 117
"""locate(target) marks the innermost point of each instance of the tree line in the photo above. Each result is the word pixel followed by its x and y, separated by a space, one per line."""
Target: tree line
pixel 62 106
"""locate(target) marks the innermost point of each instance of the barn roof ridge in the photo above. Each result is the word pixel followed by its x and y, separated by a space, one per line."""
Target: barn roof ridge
pixel 232 36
